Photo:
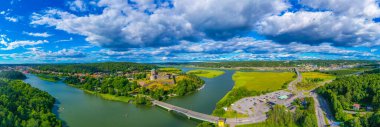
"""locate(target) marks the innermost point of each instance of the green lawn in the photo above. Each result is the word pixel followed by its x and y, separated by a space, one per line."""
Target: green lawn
pixel 206 73
pixel 262 81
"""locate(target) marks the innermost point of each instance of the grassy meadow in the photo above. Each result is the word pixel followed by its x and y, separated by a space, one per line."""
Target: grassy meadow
pixel 262 81
pixel 311 80
pixel 323 76
pixel 206 73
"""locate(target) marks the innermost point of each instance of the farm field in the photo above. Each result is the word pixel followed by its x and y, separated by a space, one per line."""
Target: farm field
pixel 206 73
pixel 262 81
pixel 323 76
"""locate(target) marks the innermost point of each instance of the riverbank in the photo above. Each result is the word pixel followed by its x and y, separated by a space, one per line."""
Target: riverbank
pixel 105 96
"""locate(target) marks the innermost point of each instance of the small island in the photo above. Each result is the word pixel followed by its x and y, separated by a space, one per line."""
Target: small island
pixel 46 77
pixel 206 73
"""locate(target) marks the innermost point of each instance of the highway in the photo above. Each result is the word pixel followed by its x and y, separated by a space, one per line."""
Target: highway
pixel 322 109
pixel 291 85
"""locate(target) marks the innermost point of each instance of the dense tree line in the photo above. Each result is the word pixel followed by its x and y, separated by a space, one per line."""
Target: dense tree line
pixel 295 63
pixel 190 84
pixel 304 115
pixel 121 86
pixel 24 106
pixel 107 67
pixel 12 75
pixel 340 72
pixel 343 92
pixel 374 71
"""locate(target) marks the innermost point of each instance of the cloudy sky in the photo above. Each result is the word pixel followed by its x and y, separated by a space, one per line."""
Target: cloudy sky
pixel 62 31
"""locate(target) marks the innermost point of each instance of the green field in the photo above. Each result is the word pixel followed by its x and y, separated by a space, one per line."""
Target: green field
pixel 206 73
pixel 262 81
pixel 323 76
pixel 311 80
pixel 170 69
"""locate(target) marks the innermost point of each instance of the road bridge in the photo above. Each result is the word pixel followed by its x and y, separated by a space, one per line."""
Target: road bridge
pixel 187 112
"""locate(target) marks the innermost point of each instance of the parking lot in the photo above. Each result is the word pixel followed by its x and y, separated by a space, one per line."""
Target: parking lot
pixel 257 106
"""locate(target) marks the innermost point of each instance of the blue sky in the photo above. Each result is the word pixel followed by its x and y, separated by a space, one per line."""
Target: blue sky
pixel 66 31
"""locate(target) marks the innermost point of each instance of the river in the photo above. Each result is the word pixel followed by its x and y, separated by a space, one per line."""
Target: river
pixel 79 109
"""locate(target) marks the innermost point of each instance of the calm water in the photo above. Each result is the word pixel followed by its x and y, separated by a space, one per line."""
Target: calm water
pixel 79 109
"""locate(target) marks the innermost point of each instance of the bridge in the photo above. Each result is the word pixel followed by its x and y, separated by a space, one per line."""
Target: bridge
pixel 188 113
pixel 209 118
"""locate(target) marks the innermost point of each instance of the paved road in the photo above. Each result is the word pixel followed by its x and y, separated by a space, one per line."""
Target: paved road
pixel 355 112
pixel 322 109
pixel 319 112
pixel 248 120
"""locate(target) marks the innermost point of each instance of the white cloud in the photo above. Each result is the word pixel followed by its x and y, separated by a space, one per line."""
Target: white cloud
pixel 320 27
pixel 64 53
pixel 16 44
pixel 121 26
pixel 233 49
pixel 65 40
pixel 11 19
pixel 77 5
pixel 44 34
pixel 354 8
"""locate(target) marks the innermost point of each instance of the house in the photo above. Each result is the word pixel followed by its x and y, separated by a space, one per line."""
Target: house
pixel 356 106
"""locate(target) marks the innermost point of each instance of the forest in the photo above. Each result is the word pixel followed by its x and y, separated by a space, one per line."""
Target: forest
pixel 121 86
pixel 24 106
pixel 303 116
pixel 107 67
pixel 12 75
pixel 279 63
pixel 345 91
